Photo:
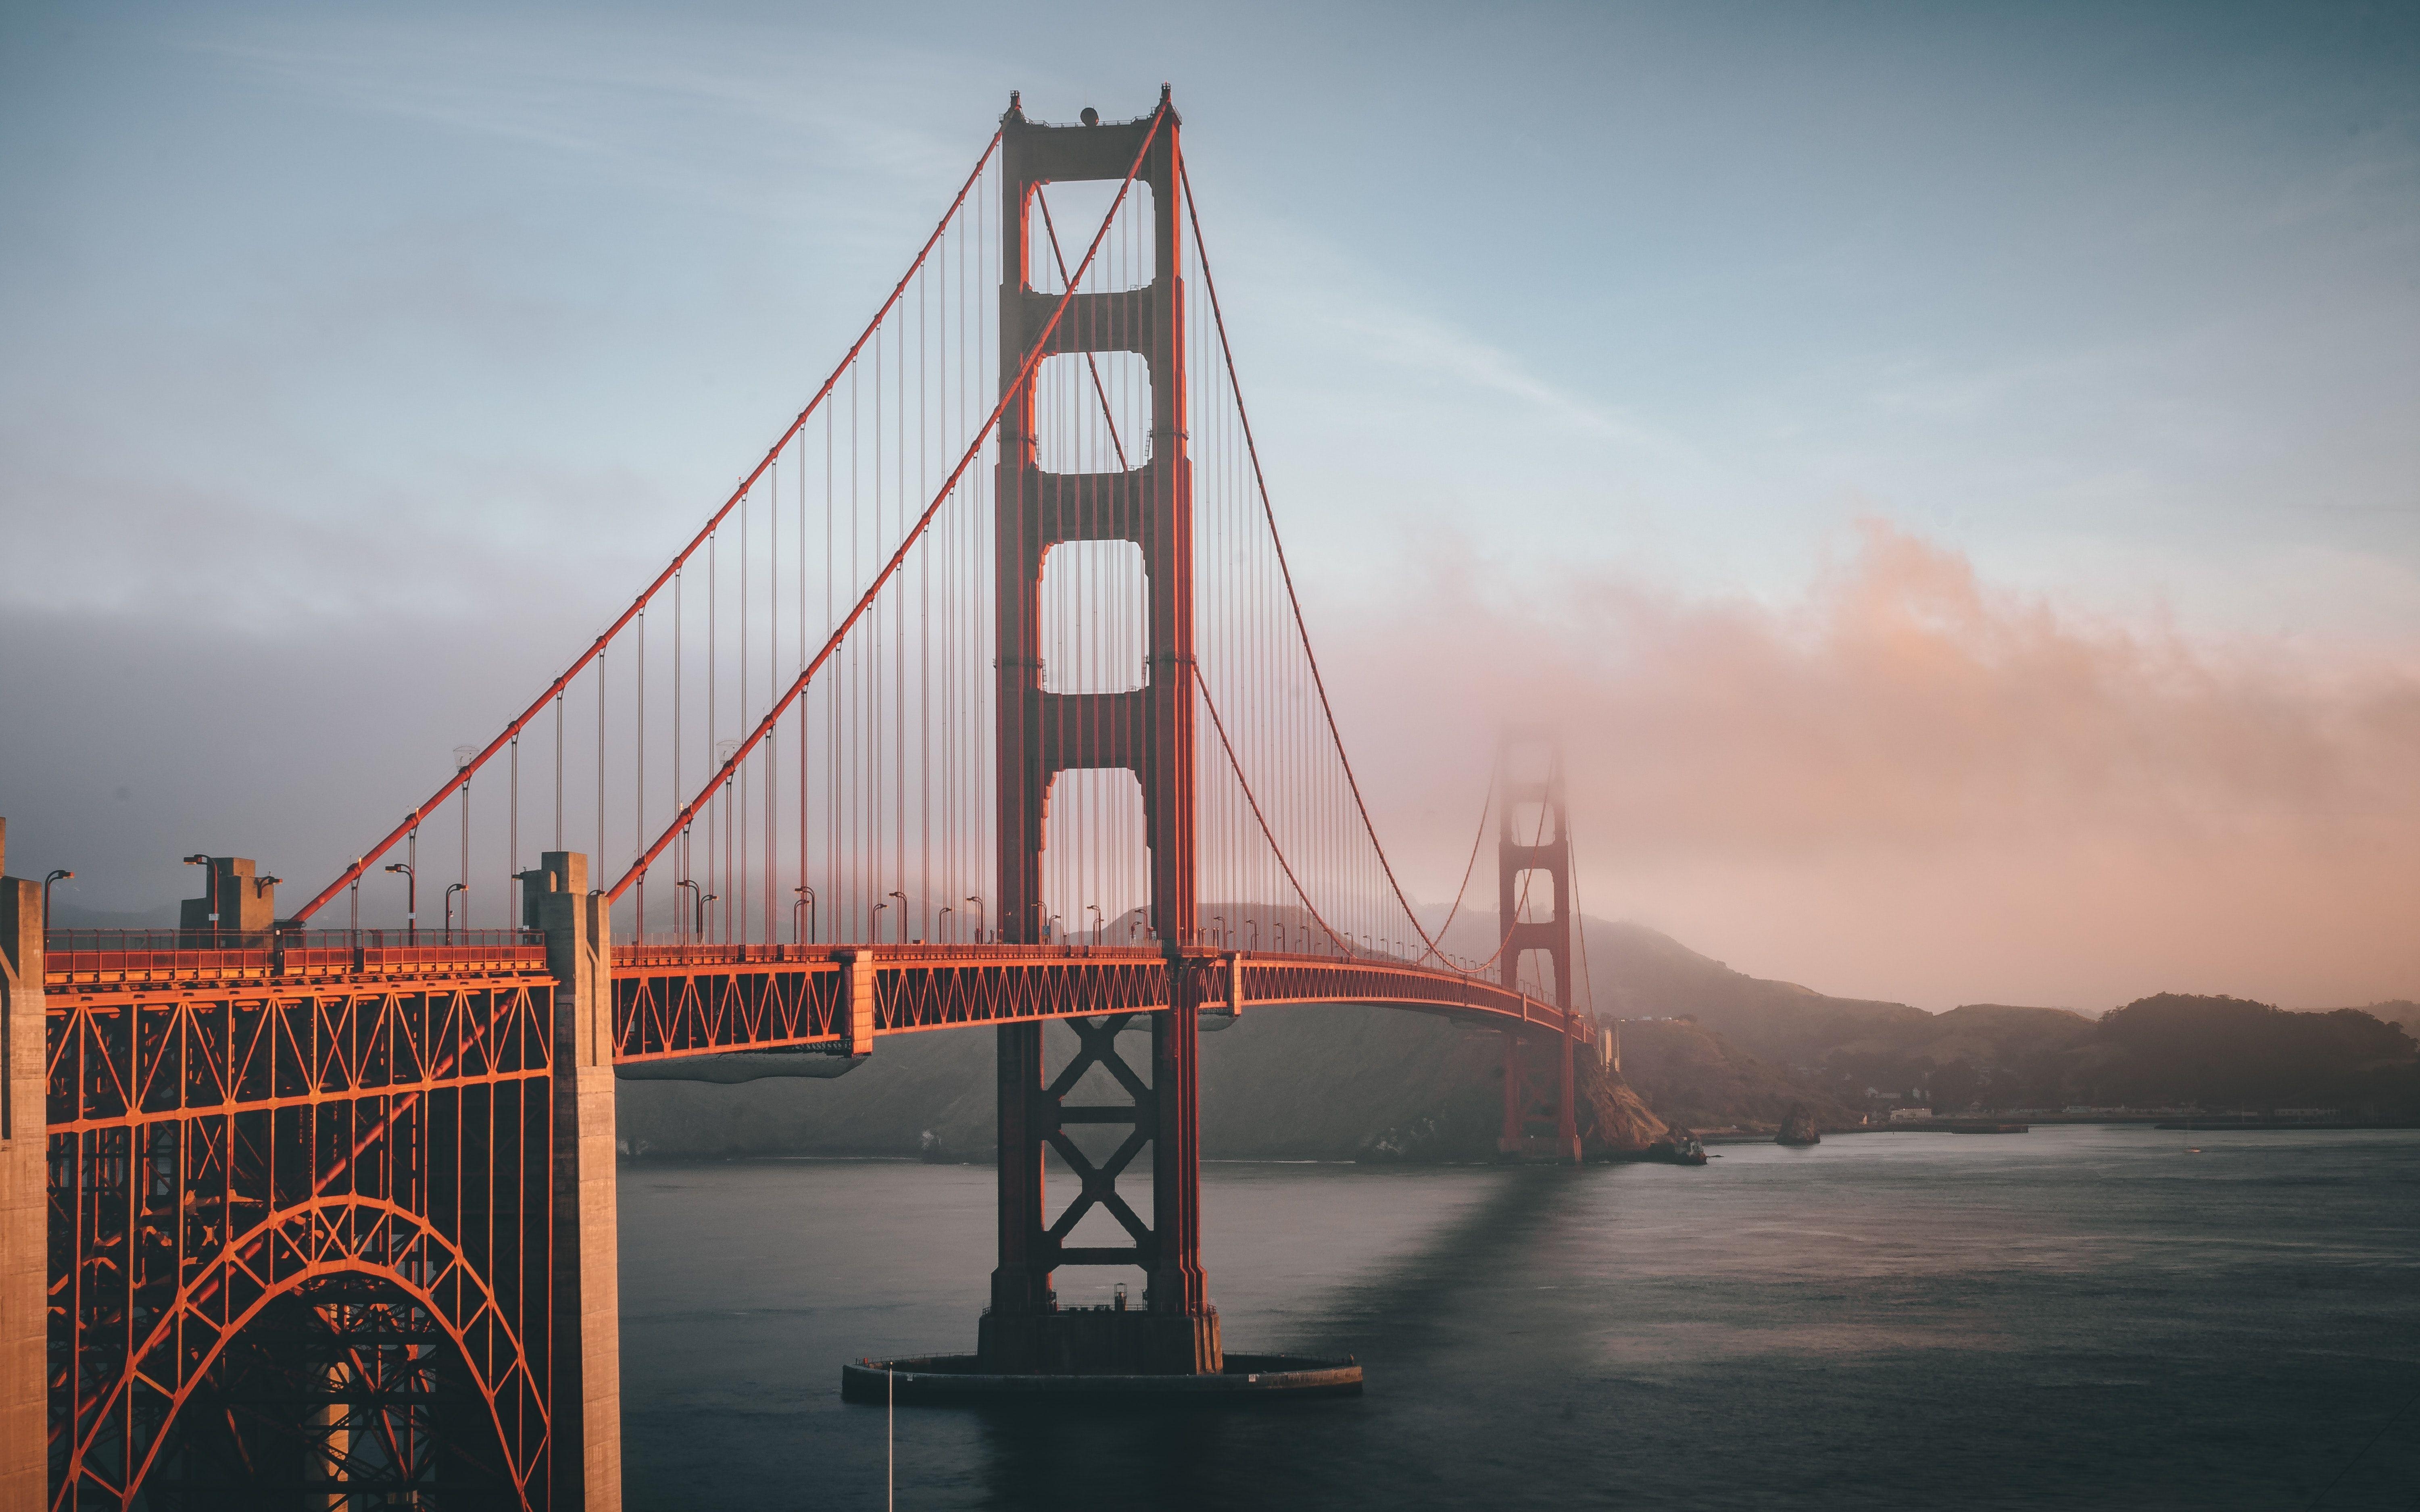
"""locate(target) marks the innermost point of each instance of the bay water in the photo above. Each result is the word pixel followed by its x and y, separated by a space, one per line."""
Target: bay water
pixel 2077 1317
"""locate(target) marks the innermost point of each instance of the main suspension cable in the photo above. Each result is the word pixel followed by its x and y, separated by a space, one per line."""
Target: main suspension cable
pixel 596 648
pixel 915 533
pixel 1268 512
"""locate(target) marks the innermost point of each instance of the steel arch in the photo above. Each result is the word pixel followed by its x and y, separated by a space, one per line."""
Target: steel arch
pixel 321 1218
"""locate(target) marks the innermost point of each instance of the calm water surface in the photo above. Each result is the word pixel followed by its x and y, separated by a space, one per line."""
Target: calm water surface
pixel 2072 1318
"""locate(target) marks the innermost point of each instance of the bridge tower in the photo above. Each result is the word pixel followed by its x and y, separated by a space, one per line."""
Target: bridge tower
pixel 1147 731
pixel 1539 850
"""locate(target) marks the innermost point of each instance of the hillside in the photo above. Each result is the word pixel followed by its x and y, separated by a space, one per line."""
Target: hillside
pixel 1702 1047
pixel 1330 1083
pixel 2402 1013
pixel 1288 1084
pixel 1696 1077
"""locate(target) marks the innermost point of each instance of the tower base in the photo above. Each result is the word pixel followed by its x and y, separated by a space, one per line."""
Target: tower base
pixel 961 1378
pixel 1100 1341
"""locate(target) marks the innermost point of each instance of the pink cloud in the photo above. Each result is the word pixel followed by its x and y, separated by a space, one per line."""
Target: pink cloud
pixel 1911 783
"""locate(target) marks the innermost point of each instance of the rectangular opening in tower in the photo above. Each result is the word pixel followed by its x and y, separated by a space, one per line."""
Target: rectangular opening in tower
pixel 1534 895
pixel 1075 209
pixel 1532 823
pixel 1095 602
pixel 1095 863
pixel 1537 974
pixel 1091 413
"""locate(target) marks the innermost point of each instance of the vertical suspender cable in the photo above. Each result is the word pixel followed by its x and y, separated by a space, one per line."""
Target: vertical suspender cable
pixel 638 785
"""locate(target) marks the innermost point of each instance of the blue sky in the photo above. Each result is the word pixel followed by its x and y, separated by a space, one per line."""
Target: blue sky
pixel 338 328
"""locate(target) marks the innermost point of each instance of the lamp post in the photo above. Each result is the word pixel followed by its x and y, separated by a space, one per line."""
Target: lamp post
pixel 979 919
pixel 874 923
pixel 807 902
pixel 57 874
pixel 1252 935
pixel 1048 931
pixel 940 929
pixel 411 899
pixel 677 920
pixel 703 899
pixel 1220 920
pixel 903 912
pixel 1100 924
pixel 451 888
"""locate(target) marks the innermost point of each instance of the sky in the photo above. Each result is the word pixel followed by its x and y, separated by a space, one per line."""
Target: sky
pixel 1952 470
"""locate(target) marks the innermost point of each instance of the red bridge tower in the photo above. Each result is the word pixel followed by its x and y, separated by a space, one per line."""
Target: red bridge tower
pixel 1542 849
pixel 1148 731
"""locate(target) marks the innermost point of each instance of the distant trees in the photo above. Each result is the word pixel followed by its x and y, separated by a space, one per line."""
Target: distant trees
pixel 2170 1050
pixel 1956 1086
pixel 2227 1052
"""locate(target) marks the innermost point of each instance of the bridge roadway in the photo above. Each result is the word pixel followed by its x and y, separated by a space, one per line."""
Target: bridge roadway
pixel 676 1000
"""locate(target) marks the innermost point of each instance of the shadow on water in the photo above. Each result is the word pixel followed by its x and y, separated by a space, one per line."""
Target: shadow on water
pixel 1406 1312
pixel 1399 1320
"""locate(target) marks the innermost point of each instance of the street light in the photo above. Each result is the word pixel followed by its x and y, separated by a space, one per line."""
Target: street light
pixel 1100 924
pixel 451 888
pixel 411 899
pixel 903 912
pixel 693 887
pixel 979 918
pixel 57 874
pixel 1047 934
pixel 807 902
pixel 940 929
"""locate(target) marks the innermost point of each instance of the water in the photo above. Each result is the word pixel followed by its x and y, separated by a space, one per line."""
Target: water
pixel 2072 1318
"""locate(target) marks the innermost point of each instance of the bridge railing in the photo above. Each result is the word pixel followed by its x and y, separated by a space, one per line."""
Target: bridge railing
pixel 114 957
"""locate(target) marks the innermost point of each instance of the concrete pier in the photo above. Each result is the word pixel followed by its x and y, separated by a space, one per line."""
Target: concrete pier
pixel 587 1407
pixel 964 1377
pixel 24 1203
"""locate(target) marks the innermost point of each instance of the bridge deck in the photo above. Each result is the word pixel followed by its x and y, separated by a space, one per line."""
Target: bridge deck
pixel 679 999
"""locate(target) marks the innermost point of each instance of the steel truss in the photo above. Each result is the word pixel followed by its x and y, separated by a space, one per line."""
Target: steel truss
pixel 674 1000
pixel 299 1239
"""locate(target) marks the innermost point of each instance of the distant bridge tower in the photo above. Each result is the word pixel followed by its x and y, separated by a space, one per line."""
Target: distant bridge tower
pixel 1148 731
pixel 1533 847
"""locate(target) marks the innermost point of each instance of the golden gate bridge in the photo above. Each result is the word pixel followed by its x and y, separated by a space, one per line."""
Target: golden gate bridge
pixel 984 698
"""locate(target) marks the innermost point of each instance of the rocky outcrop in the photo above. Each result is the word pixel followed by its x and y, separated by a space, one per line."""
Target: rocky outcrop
pixel 1614 1120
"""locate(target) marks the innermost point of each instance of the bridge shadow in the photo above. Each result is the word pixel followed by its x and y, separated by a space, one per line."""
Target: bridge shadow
pixel 1406 1312
pixel 1405 1316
